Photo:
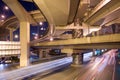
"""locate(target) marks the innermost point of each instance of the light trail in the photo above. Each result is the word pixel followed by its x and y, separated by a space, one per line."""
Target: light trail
pixel 107 59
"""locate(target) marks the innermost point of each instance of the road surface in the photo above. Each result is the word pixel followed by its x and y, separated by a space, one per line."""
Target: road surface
pixel 103 68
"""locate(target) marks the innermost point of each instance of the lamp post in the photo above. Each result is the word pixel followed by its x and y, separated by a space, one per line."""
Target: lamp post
pixel 16 37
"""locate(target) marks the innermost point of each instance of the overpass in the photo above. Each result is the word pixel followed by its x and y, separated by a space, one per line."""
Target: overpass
pixel 62 16
pixel 104 41
pixel 82 17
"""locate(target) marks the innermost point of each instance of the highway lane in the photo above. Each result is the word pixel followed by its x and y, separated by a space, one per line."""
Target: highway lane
pixel 69 73
pixel 100 69
pixel 117 69
pixel 24 72
pixel 13 66
pixel 8 67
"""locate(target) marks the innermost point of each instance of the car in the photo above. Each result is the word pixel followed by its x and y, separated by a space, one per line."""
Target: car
pixel 8 61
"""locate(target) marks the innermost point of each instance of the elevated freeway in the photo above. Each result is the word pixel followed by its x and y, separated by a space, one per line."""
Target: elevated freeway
pixel 105 41
pixel 81 17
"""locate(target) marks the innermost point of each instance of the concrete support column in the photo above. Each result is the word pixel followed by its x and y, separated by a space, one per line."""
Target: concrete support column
pixel 69 51
pixel 47 52
pixel 24 40
pixel 11 34
pixel 93 33
pixel 40 53
pixel 94 52
pixel 77 58
pixel 97 33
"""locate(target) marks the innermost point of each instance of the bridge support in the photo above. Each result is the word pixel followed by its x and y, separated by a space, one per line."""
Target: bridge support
pixel 77 58
pixel 24 40
pixel 11 34
pixel 43 53
pixel 94 52
pixel 40 53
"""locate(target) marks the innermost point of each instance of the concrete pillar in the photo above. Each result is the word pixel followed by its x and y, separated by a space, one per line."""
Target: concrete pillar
pixel 77 58
pixel 69 51
pixel 97 33
pixel 44 53
pixel 11 34
pixel 40 53
pixel 47 52
pixel 24 40
pixel 93 33
pixel 94 52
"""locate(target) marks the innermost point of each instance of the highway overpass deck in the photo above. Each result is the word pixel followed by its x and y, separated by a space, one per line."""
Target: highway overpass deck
pixel 104 41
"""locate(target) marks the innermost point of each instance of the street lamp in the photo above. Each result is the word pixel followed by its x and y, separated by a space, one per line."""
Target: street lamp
pixel 16 37
pixel 41 23
pixel 6 8
pixel 51 38
pixel 2 16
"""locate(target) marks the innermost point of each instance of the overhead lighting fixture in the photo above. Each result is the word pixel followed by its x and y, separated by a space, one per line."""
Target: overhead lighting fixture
pixel 51 38
pixel 2 16
pixel 6 8
pixel 35 37
pixel 16 36
pixel 41 23
pixel 42 29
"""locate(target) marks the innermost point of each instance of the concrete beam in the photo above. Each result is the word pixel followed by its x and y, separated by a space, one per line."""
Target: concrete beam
pixel 81 41
pixel 102 10
pixel 113 22
pixel 85 46
pixel 72 26
pixel 54 10
pixel 112 18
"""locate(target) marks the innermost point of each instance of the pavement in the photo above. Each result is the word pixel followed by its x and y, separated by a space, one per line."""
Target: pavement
pixel 117 69
pixel 101 69
pixel 10 67
pixel 105 67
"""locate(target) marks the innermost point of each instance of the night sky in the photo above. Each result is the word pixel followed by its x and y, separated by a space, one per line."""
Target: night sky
pixel 38 31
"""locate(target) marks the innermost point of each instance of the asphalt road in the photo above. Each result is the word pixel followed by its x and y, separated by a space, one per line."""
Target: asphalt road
pixel 101 69
pixel 117 69
pixel 68 73
pixel 9 67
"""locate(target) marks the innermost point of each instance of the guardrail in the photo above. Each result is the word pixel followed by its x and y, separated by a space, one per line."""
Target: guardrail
pixel 21 73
